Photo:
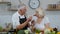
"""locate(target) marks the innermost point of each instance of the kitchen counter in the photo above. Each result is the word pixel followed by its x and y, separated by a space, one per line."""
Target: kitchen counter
pixel 3 32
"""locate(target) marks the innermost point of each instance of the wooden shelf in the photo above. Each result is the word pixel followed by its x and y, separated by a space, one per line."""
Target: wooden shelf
pixel 53 9
pixel 12 9
pixel 8 3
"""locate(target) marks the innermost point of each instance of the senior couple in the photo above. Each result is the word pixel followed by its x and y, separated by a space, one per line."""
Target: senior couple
pixel 22 22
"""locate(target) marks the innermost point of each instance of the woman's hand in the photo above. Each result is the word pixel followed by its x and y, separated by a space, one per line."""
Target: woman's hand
pixel 47 25
pixel 32 23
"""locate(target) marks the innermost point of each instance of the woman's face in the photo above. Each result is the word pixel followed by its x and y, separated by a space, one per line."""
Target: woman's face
pixel 37 14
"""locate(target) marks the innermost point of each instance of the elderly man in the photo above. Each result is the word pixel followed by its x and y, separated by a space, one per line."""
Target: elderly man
pixel 19 19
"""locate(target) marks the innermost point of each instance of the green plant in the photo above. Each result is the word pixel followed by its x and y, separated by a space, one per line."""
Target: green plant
pixel 37 31
pixel 1 28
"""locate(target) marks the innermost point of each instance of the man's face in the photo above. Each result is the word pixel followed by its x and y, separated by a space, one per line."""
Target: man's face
pixel 22 11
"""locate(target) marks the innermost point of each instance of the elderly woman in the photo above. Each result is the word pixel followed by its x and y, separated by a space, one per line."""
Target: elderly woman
pixel 40 21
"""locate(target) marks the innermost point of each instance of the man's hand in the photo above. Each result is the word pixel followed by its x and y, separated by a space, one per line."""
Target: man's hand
pixel 29 19
pixel 21 26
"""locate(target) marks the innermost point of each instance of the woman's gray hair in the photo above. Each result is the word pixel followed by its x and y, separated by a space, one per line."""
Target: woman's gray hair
pixel 40 11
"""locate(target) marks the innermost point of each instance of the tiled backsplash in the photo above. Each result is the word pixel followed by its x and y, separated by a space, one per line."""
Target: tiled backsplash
pixel 5 19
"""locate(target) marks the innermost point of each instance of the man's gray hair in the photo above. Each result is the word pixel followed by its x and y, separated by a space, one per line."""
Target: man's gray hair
pixel 21 6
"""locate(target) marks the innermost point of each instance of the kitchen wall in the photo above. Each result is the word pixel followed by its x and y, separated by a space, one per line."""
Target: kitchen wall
pixel 54 16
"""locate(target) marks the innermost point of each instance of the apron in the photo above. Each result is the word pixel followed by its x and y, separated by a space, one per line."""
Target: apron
pixel 22 20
